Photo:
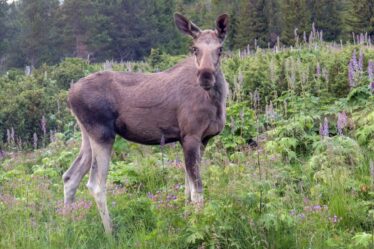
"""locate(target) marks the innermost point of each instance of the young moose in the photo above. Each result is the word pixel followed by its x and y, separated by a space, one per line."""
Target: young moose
pixel 185 103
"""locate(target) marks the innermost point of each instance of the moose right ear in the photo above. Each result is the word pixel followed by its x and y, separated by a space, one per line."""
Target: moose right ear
pixel 186 26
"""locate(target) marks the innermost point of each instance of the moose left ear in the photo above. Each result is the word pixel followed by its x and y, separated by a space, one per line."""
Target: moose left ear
pixel 222 23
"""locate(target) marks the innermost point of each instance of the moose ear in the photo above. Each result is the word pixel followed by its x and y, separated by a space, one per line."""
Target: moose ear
pixel 186 26
pixel 222 24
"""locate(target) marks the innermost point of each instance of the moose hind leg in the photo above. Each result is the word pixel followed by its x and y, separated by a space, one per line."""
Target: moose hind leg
pixel 79 168
pixel 191 148
pixel 97 181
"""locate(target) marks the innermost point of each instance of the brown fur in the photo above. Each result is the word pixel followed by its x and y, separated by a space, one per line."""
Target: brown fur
pixel 185 103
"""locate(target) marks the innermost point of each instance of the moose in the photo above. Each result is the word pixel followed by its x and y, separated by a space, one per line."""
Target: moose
pixel 184 104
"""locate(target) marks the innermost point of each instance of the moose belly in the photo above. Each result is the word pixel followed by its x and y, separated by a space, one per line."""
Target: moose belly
pixel 148 132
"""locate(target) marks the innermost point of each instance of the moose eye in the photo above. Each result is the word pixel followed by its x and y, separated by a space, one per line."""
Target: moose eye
pixel 194 50
pixel 220 49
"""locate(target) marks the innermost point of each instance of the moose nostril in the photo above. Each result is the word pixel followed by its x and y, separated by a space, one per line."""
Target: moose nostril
pixel 206 76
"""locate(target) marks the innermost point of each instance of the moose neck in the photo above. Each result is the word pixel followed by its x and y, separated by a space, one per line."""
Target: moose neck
pixel 218 93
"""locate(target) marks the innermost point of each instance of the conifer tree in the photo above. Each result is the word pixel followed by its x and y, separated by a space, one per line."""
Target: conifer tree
pixel 326 16
pixel 360 18
pixel 252 25
pixel 296 18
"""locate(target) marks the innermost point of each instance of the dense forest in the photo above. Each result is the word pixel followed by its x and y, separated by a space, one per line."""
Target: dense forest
pixel 46 31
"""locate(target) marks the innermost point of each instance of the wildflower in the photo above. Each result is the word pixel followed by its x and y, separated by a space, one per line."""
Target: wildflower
pixel 108 66
pixel 324 128
pixel 240 78
pixel 28 70
pixel 35 139
pixel 269 111
pixel 12 136
pixel 318 70
pixel 334 219
pixel 306 200
pixel 317 208
pixel 342 122
pixel 232 125
pixel 43 123
pixel 302 216
pixel 371 87
pixel 372 170
pixel 351 74
pixel 371 70
pixel 77 210
pixel 360 63
pixel 293 212
pixel 8 136
pixel 256 99
pixel 355 62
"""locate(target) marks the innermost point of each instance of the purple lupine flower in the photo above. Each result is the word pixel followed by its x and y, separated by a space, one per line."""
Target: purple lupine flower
pixel 8 139
pixel 372 170
pixel 43 123
pixel 256 99
pixel 361 61
pixel 334 219
pixel 311 37
pixel 35 140
pixel 12 136
pixel 293 212
pixel 318 70
pixel 324 128
pixel 354 61
pixel 270 111
pixel 302 216
pixel 371 70
pixel 351 75
pixel 321 130
pixel 240 78
pixel 342 122
pixel 232 125
pixel 371 87
pixel 317 208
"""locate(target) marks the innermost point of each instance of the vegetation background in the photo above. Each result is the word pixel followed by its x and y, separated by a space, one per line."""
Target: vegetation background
pixel 293 167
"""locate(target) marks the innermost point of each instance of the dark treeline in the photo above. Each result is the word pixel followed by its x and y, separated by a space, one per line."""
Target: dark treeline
pixel 33 32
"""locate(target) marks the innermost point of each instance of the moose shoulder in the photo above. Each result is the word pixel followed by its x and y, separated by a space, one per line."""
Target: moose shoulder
pixel 185 103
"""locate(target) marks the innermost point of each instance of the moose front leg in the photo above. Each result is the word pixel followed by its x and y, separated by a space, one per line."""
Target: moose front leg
pixel 191 148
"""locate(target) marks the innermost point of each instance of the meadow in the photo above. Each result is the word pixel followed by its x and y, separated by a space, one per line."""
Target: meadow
pixel 292 169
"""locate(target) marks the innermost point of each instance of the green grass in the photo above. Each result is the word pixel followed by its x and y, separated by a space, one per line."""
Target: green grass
pixel 281 206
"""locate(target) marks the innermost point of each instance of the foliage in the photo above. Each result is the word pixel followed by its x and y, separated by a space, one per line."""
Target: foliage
pixel 297 187
pixel 129 30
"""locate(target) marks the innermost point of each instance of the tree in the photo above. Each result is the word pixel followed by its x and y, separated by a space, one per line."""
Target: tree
pixel 252 25
pixel 76 18
pixel 296 16
pixel 273 17
pixel 326 16
pixel 360 17
pixel 38 34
